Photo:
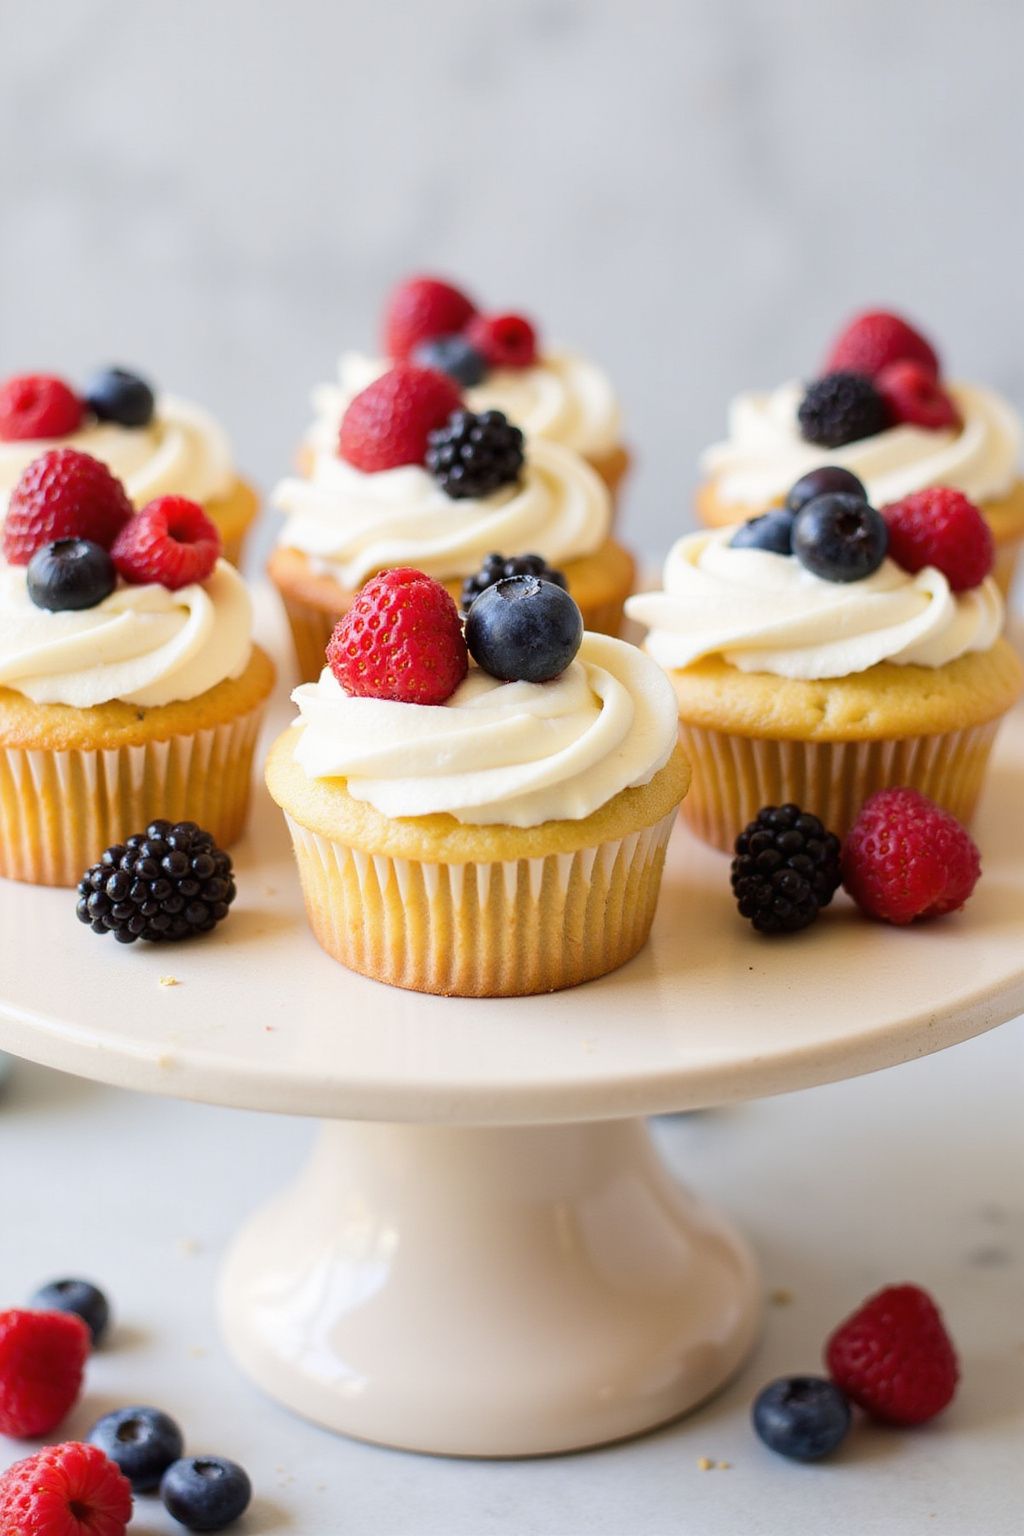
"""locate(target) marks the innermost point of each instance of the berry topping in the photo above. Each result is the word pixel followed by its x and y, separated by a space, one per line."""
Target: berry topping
pixel 401 640
pixel 70 573
pixel 841 408
pixel 803 1417
pixel 839 537
pixel 421 309
pixel 785 870
pixel 894 1358
pixel 454 356
pixel 772 531
pixel 65 1490
pixel 495 568
pixel 168 883
pixel 506 341
pixel 206 1493
pixel 114 394
pixel 475 454
pixel 171 541
pixel 64 494
pixel 874 340
pixel 141 1441
pixel 941 527
pixel 914 397
pixel 38 406
pixel 524 630
pixel 830 477
pixel 82 1298
pixel 387 424
pixel 906 858
pixel 42 1358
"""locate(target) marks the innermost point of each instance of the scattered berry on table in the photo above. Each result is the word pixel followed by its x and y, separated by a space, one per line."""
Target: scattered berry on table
pixel 420 309
pixel 496 567
pixel 65 1490
pixel 38 406
pixel 506 341
pixel 841 408
pixel 141 1441
pixel 941 527
pixel 42 1359
pixel 401 639
pixel 524 630
pixel 785 869
pixel 906 858
pixel 171 541
pixel 116 395
pixel 803 1417
pixel 387 424
pixel 817 482
pixel 894 1358
pixel 772 531
pixel 82 1298
pixel 168 883
pixel 873 340
pixel 914 397
pixel 475 453
pixel 840 538
pixel 70 573
pixel 64 494
pixel 206 1493
pixel 455 356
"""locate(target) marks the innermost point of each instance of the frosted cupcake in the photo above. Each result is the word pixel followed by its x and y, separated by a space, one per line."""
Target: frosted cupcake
pixel 130 689
pixel 491 827
pixel 414 478
pixel 882 411
pixel 157 445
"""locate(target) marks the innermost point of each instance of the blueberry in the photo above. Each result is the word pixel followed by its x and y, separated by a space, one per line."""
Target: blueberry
pixel 772 531
pixel 70 573
pixel 82 1298
pixel 830 477
pixel 205 1493
pixel 524 630
pixel 840 538
pixel 805 1417
pixel 114 394
pixel 455 356
pixel 141 1441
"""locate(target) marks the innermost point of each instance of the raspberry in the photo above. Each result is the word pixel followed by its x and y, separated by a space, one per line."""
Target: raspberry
pixel 894 1358
pixel 906 858
pixel 42 1358
pixel 401 639
pixel 874 339
pixel 420 309
pixel 388 423
pixel 64 494
pixel 65 1490
pixel 941 527
pixel 171 541
pixel 915 397
pixel 506 341
pixel 36 405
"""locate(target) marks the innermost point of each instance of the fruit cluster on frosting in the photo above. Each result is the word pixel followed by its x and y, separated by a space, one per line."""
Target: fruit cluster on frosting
pixel 37 405
pixel 430 322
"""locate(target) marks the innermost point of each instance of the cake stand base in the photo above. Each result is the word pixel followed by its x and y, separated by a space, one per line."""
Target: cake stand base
pixel 489 1292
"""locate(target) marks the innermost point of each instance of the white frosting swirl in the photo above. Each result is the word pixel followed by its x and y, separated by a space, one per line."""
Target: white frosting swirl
pixel 767 613
pixel 765 453
pixel 514 754
pixel 562 396
pixel 142 645
pixel 354 524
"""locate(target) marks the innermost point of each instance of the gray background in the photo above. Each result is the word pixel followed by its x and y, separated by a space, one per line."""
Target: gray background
pixel 220 191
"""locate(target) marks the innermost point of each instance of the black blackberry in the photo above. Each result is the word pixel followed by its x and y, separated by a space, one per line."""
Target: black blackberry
pixel 785 870
pixel 496 568
pixel 474 454
pixel 841 408
pixel 164 884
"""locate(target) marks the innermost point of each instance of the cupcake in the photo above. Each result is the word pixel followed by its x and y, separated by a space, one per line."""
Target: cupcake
pixel 416 478
pixel 480 827
pixel 500 362
pixel 881 410
pixel 130 689
pixel 155 445
pixel 822 651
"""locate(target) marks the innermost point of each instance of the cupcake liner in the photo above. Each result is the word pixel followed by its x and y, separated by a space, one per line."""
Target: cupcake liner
pixel 495 929
pixel 1006 562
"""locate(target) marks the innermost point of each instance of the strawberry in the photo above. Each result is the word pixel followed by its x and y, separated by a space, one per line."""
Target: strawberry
pixel 421 309
pixel 388 423
pixel 401 639
pixel 876 338
pixel 64 494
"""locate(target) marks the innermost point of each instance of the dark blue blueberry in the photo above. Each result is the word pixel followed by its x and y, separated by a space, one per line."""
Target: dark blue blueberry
pixel 82 1298
pixel 524 630
pixel 830 477
pixel 70 573
pixel 205 1493
pixel 114 394
pixel 455 356
pixel 772 531
pixel 804 1417
pixel 840 538
pixel 141 1441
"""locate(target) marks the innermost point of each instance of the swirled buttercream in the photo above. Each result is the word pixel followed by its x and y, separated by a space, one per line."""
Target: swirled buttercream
pixel 514 754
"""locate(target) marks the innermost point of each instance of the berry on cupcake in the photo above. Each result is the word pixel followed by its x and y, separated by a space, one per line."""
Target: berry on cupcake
pixel 389 423
pixel 474 455
pixel 36 405
pixel 421 309
pixel 400 640
pixel 496 567
pixel 60 495
pixel 171 542
pixel 873 341
pixel 841 408
pixel 942 528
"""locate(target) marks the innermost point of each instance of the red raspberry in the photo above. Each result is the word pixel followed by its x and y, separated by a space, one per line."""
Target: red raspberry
pixel 505 341
pixel 65 1490
pixel 42 1358
pixel 387 423
pixel 401 639
pixel 875 339
pixel 915 397
pixel 894 1358
pixel 941 527
pixel 36 405
pixel 905 858
pixel 171 541
pixel 63 494
pixel 420 309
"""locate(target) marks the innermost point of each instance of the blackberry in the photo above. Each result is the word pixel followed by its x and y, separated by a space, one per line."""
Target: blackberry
pixel 785 870
pixel 475 453
pixel 841 408
pixel 496 568
pixel 164 884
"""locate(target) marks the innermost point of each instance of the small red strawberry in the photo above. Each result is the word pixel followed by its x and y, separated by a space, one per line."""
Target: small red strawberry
pixel 876 338
pixel 421 309
pixel 915 397
pixel 894 1357
pixel 42 1358
pixel 65 1490
pixel 387 424
pixel 941 527
pixel 171 542
pixel 906 858
pixel 38 406
pixel 505 341
pixel 64 494
pixel 401 639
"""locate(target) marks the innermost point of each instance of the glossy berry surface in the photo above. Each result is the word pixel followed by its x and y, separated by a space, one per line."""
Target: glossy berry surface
pixel 205 1493
pixel 387 424
pixel 841 408
pixel 420 309
pixel 116 395
pixel 941 527
pixel 454 356
pixel 506 341
pixel 877 338
pixel 785 869
pixel 42 1358
pixel 475 454
pixel 496 567
pixel 401 639
pixel 524 630
pixel 70 574
pixel 803 1417
pixel 169 883
pixel 894 1358
pixel 817 482
pixel 171 542
pixel 65 1490
pixel 772 531
pixel 142 1442
pixel 838 537
pixel 36 405
pixel 905 858
pixel 82 1298
pixel 64 494
pixel 914 397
